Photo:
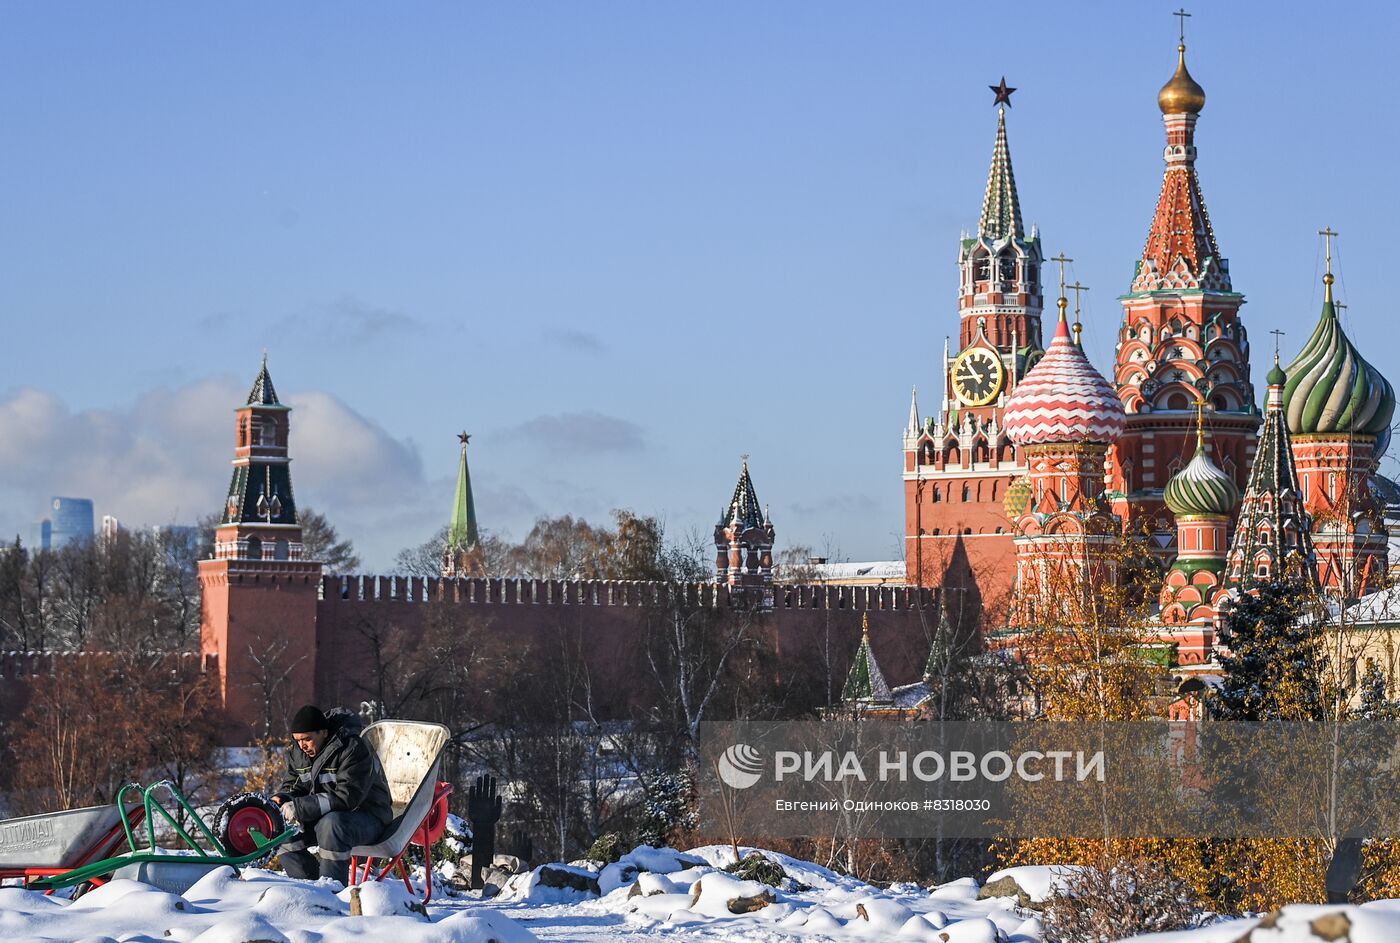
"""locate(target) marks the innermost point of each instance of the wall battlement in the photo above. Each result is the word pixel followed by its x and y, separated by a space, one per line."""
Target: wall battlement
pixel 21 666
pixel 505 591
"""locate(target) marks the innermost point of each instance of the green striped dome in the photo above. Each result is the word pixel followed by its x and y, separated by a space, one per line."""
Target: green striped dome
pixel 1332 389
pixel 1201 488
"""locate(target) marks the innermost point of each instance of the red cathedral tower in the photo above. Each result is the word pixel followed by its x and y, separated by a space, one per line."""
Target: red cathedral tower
pixel 960 464
pixel 1181 339
pixel 1338 409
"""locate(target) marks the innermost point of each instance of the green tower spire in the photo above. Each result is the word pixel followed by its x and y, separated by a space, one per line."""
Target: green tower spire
pixel 865 683
pixel 462 533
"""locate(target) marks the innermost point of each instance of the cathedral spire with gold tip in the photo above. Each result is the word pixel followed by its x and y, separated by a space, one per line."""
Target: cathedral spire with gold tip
pixel 865 682
pixel 1181 251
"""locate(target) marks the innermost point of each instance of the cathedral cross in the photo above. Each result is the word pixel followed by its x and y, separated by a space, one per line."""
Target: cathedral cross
pixel 1062 260
pixel 1327 235
pixel 1277 334
pixel 1181 16
pixel 1077 326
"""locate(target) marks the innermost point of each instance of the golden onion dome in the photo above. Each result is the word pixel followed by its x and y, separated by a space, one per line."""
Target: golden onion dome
pixel 1183 94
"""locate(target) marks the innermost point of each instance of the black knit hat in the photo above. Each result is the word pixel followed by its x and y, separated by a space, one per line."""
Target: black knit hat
pixel 309 719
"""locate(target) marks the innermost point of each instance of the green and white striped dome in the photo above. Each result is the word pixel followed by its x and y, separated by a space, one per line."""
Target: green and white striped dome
pixel 1331 389
pixel 1202 487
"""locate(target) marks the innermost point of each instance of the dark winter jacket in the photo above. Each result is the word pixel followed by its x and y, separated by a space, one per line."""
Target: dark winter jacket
pixel 344 775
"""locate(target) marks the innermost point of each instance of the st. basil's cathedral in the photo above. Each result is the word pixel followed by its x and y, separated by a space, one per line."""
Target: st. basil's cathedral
pixel 1037 466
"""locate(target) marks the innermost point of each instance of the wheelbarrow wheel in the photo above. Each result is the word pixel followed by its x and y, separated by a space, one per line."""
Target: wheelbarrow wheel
pixel 236 819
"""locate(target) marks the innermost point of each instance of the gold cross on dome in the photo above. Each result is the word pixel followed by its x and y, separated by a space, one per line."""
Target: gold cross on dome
pixel 1200 421
pixel 1061 258
pixel 1327 236
pixel 1077 326
pixel 1181 16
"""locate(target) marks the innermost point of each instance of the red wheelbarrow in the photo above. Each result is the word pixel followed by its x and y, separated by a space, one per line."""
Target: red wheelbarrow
pixel 411 754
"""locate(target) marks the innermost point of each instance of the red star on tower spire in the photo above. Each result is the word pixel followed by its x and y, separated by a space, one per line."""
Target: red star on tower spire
pixel 1003 93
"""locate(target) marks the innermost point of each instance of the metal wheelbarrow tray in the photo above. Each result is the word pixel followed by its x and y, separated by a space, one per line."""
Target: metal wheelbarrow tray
pixel 62 849
pixel 56 842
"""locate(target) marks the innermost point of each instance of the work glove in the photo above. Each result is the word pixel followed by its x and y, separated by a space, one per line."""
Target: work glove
pixel 289 813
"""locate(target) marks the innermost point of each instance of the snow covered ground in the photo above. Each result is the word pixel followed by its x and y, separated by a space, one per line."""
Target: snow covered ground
pixel 651 894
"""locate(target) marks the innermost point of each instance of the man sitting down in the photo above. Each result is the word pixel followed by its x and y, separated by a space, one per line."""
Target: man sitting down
pixel 335 790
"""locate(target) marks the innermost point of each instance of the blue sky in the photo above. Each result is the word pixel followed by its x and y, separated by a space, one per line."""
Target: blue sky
pixel 622 243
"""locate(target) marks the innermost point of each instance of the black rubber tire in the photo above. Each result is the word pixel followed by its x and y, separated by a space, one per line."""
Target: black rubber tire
pixel 247 802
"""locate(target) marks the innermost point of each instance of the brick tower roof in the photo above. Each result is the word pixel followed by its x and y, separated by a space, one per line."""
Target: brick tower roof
pixel 262 393
pixel 1181 251
pixel 744 506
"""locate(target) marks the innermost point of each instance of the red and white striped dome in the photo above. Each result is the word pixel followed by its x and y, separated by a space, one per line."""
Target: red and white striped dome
pixel 1063 399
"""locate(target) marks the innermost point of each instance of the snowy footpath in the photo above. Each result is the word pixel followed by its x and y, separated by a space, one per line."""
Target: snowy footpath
pixel 651 894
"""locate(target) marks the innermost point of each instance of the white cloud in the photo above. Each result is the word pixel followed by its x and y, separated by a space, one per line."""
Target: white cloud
pixel 165 458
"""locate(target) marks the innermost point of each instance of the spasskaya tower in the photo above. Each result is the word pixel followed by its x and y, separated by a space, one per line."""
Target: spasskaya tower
pixel 959 464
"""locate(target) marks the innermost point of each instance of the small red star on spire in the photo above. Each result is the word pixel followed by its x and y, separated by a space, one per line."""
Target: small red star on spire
pixel 1003 93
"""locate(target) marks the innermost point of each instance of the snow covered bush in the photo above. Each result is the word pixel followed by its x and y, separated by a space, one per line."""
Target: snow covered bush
pixel 606 848
pixel 1117 899
pixel 756 866
pixel 669 810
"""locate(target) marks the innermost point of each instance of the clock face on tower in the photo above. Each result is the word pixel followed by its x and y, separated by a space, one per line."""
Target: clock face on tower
pixel 978 375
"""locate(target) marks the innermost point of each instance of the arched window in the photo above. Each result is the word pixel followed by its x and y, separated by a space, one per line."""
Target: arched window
pixel 1178 401
pixel 254 548
pixel 937 493
pixel 1007 265
pixel 965 492
pixel 983 269
pixel 266 431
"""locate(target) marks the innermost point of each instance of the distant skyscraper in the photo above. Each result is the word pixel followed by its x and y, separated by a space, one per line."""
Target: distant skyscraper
pixel 110 527
pixel 72 520
pixel 42 536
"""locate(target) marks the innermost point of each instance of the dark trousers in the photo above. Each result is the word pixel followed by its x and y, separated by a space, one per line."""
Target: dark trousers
pixel 333 834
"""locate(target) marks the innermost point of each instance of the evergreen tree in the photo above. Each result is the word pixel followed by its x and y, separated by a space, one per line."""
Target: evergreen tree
pixel 1375 702
pixel 1274 669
